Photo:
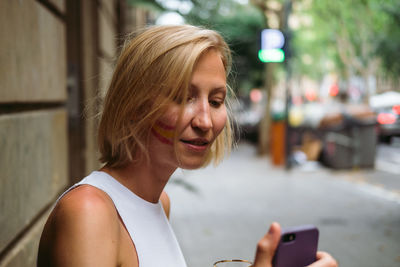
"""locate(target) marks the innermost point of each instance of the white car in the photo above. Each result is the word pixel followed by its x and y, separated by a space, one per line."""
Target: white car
pixel 387 108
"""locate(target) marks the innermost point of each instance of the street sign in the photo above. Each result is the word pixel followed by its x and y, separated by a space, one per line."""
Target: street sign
pixel 271 55
pixel 272 42
pixel 272 39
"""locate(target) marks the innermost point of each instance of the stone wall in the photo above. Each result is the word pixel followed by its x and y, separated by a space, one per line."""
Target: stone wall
pixel 32 46
pixel 33 124
pixel 56 61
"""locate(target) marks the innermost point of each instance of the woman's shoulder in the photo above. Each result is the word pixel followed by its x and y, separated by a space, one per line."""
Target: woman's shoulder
pixel 86 198
pixel 85 207
pixel 83 218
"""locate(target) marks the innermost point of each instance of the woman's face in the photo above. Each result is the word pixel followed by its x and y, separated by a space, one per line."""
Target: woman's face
pixel 204 117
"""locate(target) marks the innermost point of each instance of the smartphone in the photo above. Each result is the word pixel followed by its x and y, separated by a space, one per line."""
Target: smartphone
pixel 297 247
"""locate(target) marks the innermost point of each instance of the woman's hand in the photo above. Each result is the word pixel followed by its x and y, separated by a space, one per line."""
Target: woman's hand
pixel 267 245
pixel 324 260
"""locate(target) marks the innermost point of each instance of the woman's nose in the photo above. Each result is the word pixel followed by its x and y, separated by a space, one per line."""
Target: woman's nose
pixel 202 116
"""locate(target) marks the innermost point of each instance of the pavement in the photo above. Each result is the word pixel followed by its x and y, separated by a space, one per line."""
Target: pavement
pixel 221 212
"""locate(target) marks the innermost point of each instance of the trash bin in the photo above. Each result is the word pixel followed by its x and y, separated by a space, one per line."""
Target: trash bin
pixel 350 142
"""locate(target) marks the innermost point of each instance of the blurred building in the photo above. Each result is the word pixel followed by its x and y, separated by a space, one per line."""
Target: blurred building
pixel 56 58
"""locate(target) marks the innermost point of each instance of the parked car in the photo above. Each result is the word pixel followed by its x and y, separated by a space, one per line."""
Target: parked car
pixel 387 108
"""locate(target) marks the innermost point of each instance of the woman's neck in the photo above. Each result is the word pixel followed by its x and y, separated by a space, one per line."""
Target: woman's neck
pixel 141 178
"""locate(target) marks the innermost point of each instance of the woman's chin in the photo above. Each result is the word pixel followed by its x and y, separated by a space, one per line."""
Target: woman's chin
pixel 192 165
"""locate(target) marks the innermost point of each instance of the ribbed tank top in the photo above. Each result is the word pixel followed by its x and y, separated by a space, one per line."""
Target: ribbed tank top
pixel 146 222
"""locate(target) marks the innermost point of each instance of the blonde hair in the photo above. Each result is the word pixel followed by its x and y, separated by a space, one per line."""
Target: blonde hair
pixel 154 68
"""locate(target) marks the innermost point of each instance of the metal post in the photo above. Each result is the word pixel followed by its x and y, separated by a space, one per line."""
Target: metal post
pixel 286 30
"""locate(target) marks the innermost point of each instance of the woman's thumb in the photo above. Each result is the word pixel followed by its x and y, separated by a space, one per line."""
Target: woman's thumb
pixel 266 246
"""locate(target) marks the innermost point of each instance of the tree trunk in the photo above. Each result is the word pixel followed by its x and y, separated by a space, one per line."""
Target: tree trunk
pixel 265 125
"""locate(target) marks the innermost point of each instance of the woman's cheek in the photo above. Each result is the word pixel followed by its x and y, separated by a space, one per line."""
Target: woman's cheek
pixel 165 133
pixel 165 127
pixel 220 121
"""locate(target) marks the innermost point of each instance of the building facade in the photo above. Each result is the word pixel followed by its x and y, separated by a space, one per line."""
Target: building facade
pixel 56 60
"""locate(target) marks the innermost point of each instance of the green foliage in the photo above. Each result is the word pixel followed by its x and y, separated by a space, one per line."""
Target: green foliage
pixel 152 5
pixel 349 34
pixel 240 25
pixel 389 37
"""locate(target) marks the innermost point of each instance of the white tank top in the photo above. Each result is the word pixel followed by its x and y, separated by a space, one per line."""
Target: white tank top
pixel 146 222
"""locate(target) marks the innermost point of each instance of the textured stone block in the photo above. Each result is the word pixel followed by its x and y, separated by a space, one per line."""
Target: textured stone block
pixel 107 29
pixel 33 164
pixel 109 6
pixel 32 53
pixel 59 4
pixel 105 74
pixel 24 254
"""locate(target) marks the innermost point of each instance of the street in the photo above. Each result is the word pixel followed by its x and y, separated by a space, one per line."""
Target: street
pixel 388 157
pixel 221 213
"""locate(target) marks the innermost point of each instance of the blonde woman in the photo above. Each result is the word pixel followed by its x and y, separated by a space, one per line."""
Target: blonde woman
pixel 166 108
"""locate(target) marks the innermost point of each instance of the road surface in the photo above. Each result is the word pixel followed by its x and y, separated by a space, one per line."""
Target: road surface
pixel 221 213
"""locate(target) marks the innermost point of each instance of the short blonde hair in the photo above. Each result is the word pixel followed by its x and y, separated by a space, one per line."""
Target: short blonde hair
pixel 154 68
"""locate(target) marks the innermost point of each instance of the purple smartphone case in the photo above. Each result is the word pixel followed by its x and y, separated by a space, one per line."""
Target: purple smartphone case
pixel 301 251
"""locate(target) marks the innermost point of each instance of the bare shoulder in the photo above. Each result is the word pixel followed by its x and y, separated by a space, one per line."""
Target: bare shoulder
pixel 82 230
pixel 165 201
pixel 85 201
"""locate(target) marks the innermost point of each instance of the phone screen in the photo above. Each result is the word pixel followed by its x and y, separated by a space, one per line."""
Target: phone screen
pixel 297 247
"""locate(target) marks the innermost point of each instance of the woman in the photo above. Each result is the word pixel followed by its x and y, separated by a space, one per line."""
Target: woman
pixel 165 108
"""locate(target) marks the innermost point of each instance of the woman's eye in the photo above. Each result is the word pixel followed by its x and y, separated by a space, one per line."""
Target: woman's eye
pixel 216 103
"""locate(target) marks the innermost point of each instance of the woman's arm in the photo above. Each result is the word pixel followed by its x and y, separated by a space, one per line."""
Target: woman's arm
pixel 83 230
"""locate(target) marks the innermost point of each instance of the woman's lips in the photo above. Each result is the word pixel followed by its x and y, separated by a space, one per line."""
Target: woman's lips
pixel 196 144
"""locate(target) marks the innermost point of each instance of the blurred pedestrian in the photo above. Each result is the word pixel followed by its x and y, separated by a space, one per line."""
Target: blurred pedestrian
pixel 166 108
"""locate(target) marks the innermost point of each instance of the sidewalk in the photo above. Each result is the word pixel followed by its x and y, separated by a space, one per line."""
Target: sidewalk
pixel 221 213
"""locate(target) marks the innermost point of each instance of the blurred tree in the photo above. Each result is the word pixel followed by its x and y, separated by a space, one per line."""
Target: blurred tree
pixel 389 37
pixel 350 37
pixel 147 4
pixel 240 24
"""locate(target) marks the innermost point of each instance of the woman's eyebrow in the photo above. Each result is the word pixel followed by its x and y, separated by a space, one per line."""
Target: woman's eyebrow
pixel 221 89
pixel 216 87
